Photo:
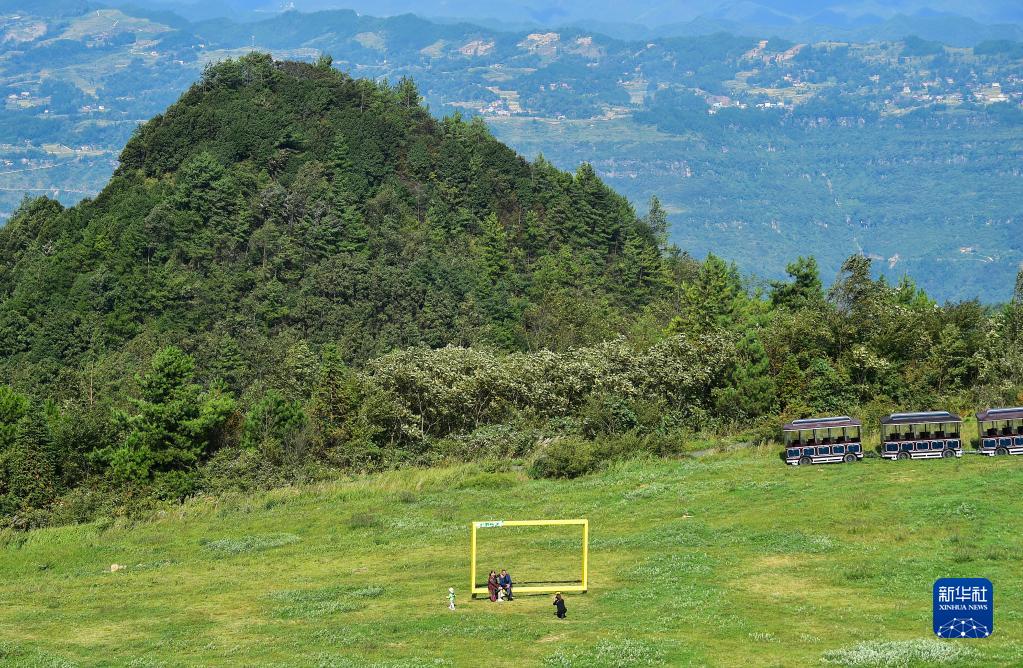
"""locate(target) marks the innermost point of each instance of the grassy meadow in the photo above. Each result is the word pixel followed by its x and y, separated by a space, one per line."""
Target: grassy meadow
pixel 729 559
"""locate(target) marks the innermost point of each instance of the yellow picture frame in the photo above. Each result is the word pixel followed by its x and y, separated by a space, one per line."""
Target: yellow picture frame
pixel 497 524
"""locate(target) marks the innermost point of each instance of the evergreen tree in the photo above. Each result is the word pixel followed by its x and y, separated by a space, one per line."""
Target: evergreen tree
pixel 791 384
pixel 336 396
pixel 29 466
pixel 713 300
pixel 407 93
pixel 13 407
pixel 804 290
pixel 175 423
pixel 854 291
pixel 493 251
pixel 272 421
pixel 751 391
pixel 1014 312
pixel 657 220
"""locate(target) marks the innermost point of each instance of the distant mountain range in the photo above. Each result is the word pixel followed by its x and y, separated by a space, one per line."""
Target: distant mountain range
pixel 956 22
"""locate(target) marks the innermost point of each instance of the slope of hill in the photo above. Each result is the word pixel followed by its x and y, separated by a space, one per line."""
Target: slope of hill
pixel 727 560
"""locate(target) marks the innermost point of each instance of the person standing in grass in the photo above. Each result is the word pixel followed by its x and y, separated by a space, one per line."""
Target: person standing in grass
pixel 559 604
pixel 493 585
pixel 451 598
pixel 506 583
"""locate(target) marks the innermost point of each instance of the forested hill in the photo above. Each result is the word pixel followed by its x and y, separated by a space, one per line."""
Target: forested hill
pixel 294 274
pixel 279 202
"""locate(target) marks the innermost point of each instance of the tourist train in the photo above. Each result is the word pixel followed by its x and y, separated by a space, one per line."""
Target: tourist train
pixel 1001 431
pixel 823 440
pixel 925 435
pixel 921 435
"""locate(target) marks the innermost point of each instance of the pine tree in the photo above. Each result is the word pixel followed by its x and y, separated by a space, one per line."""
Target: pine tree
pixel 804 290
pixel 1014 319
pixel 29 466
pixel 641 271
pixel 348 184
pixel 854 291
pixel 790 384
pixel 228 363
pixel 493 250
pixel 324 62
pixel 751 390
pixel 13 407
pixel 713 300
pixel 336 397
pixel 657 220
pixel 175 421
pixel 340 410
pixel 407 93
pixel 273 422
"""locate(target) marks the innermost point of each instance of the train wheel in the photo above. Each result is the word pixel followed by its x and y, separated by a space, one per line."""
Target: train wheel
pixel 903 455
pixel 805 461
pixel 1002 451
pixel 849 458
pixel 945 454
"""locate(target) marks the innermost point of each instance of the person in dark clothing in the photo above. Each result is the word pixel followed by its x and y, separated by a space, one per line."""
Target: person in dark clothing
pixel 506 583
pixel 493 585
pixel 559 604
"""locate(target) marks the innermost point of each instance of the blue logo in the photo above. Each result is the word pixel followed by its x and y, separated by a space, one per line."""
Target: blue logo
pixel 964 608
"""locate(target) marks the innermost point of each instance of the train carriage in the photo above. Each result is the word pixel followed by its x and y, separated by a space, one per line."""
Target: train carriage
pixel 1001 431
pixel 826 440
pixel 921 435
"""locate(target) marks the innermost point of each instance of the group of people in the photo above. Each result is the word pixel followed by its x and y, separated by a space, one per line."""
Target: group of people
pixel 500 586
pixel 500 589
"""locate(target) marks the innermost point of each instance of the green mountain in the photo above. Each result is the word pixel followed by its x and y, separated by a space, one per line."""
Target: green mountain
pixel 286 201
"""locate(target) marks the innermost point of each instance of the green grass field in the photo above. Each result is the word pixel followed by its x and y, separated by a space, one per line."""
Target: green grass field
pixel 725 560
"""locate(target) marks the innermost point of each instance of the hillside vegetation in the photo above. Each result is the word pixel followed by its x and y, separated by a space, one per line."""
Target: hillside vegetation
pixel 727 560
pixel 295 272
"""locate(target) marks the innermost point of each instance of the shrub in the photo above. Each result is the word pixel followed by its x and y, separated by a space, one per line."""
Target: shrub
pixel 500 442
pixel 456 390
pixel 572 456
pixel 237 469
pixel 175 485
pixel 607 414
pixel 567 457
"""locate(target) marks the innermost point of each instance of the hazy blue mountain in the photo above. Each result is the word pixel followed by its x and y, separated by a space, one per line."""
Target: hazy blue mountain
pixel 650 13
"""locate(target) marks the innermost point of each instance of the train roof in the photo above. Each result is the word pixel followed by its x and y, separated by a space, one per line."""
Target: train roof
pixel 822 422
pixel 1000 414
pixel 921 418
